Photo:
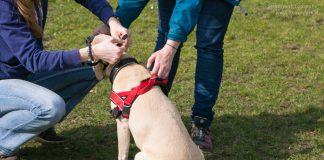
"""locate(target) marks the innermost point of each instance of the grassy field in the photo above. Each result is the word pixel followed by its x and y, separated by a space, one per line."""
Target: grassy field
pixel 271 102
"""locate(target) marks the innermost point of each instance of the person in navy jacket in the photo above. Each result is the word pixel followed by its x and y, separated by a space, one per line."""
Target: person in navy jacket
pixel 38 87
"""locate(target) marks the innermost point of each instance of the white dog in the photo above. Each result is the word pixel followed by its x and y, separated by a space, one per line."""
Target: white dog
pixel 154 121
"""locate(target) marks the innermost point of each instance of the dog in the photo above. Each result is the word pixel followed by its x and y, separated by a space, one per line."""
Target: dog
pixel 154 121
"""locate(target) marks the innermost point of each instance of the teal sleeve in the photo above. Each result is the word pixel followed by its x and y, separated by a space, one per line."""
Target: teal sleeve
pixel 129 10
pixel 184 18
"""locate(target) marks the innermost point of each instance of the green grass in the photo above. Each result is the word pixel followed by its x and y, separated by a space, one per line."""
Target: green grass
pixel 272 97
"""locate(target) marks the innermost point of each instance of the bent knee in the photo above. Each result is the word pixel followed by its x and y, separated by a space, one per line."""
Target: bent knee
pixel 53 110
pixel 58 109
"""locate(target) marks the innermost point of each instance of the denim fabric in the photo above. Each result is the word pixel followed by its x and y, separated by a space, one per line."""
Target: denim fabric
pixel 211 28
pixel 28 108
pixel 72 85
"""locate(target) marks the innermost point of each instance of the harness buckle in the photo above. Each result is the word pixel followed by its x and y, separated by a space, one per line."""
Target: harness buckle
pixel 115 113
pixel 126 111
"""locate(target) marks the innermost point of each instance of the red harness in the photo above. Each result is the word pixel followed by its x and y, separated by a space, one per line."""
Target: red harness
pixel 124 100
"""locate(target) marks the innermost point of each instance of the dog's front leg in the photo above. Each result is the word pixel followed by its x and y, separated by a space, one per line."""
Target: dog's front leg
pixel 123 134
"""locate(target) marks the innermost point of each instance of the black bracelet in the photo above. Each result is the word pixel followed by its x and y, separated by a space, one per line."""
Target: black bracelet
pixel 88 43
pixel 90 53
pixel 172 46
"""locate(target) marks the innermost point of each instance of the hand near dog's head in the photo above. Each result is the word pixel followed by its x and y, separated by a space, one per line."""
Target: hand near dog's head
pixel 106 48
pixel 115 30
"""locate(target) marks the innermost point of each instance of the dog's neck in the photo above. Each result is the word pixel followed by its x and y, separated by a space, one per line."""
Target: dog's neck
pixel 130 77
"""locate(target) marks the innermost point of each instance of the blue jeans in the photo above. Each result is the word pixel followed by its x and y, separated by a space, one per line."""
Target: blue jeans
pixel 211 28
pixel 28 107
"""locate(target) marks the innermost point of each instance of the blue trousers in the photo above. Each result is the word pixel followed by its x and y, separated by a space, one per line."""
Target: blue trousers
pixel 211 28
pixel 28 107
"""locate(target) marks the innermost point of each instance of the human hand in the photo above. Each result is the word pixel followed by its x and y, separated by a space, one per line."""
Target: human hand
pixel 163 59
pixel 108 50
pixel 118 31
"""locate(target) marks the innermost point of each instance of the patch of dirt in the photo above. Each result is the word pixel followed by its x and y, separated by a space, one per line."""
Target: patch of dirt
pixel 293 47
pixel 320 21
pixel 298 48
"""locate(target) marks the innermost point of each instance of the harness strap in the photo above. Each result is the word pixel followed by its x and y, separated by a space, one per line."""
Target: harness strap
pixel 124 100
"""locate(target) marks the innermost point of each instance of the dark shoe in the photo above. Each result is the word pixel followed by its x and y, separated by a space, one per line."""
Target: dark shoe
pixel 14 157
pixel 200 134
pixel 49 136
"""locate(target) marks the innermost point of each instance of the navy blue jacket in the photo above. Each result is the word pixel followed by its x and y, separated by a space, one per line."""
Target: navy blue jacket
pixel 22 54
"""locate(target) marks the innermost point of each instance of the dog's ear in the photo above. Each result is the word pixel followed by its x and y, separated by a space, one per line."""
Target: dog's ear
pixel 99 71
pixel 99 38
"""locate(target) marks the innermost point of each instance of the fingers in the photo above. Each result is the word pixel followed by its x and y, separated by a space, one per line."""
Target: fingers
pixel 121 33
pixel 151 60
pixel 123 36
pixel 122 49
pixel 156 68
pixel 116 40
pixel 162 63
pixel 108 51
pixel 163 72
pixel 117 54
pixel 126 43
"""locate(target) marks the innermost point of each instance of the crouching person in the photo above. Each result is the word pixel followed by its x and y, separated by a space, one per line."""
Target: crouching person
pixel 37 87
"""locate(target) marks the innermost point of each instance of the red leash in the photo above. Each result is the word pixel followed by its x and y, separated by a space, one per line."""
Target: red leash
pixel 124 100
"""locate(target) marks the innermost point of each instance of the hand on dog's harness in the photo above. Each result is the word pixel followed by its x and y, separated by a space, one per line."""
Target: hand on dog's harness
pixel 124 100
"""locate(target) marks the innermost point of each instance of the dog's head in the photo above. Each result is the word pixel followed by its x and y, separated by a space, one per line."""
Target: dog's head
pixel 103 70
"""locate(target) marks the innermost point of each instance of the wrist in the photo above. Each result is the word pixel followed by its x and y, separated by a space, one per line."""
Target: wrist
pixel 168 50
pixel 83 54
pixel 172 44
pixel 90 48
pixel 112 21
pixel 175 44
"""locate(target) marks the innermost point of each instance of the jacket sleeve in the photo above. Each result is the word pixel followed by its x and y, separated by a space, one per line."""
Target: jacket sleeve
pixel 129 10
pixel 184 18
pixel 234 2
pixel 100 8
pixel 27 49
